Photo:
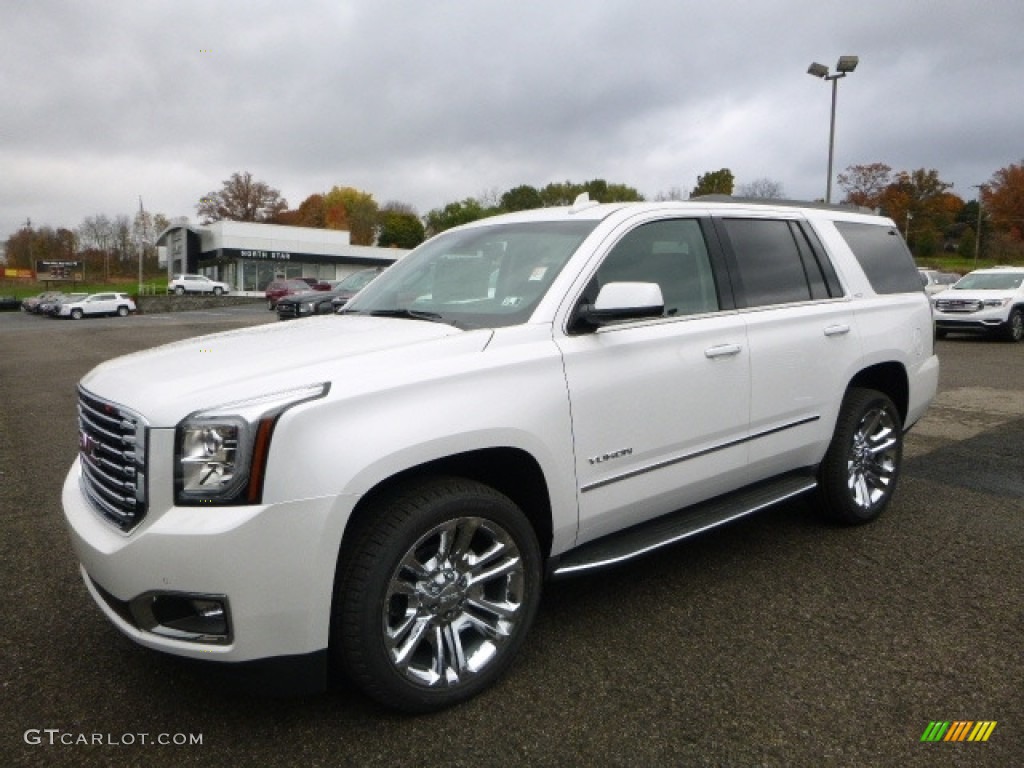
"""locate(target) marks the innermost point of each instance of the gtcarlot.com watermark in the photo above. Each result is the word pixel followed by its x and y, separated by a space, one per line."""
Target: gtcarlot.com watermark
pixel 56 737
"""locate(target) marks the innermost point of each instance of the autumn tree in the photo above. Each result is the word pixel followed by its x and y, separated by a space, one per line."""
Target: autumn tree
pixel 932 210
pixel 349 208
pixel 718 182
pixel 31 244
pixel 1003 197
pixel 762 188
pixel 864 184
pixel 241 198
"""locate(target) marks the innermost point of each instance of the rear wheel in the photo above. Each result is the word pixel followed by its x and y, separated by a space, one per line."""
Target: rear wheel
pixel 179 289
pixel 858 475
pixel 435 594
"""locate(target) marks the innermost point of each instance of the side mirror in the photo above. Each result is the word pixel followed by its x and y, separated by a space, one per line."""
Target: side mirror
pixel 617 302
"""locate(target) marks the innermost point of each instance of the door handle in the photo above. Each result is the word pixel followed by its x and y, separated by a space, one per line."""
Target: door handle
pixel 723 350
pixel 837 330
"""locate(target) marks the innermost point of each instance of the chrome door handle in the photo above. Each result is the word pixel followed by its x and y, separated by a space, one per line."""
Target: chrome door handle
pixel 837 330
pixel 724 350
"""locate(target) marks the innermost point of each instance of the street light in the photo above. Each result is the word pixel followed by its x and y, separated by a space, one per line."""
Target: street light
pixel 844 66
pixel 977 235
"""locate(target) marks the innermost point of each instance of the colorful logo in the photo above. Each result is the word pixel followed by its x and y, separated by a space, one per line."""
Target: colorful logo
pixel 958 730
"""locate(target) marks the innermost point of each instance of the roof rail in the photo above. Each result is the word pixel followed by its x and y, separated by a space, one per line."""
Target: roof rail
pixel 720 198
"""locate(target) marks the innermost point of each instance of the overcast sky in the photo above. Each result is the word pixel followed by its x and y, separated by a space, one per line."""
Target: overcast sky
pixel 430 101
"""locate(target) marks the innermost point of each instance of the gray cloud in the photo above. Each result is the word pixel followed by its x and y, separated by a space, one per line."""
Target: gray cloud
pixel 431 102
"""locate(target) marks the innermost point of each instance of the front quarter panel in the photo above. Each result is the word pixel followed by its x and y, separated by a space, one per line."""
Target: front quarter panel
pixel 397 415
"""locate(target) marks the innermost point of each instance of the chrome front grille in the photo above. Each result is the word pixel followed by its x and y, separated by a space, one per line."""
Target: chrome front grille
pixel 958 305
pixel 112 448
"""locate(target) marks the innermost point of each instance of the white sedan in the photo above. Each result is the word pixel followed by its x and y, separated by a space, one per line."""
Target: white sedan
pixel 119 304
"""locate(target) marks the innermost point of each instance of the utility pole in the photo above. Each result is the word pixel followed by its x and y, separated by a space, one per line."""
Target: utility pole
pixel 142 240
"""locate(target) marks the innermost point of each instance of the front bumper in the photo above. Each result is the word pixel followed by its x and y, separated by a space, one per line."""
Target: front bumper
pixel 271 565
pixel 992 320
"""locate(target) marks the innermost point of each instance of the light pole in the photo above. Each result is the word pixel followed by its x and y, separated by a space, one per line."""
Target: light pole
pixel 977 234
pixel 844 66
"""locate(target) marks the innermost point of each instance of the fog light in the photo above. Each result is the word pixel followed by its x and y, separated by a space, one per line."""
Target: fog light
pixel 196 618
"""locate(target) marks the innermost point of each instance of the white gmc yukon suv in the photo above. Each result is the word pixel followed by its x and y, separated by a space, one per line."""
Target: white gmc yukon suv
pixel 527 396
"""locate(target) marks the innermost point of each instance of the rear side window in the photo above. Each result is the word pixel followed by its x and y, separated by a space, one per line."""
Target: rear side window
pixel 883 256
pixel 771 268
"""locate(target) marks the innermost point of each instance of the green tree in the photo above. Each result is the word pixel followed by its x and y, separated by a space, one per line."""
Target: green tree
pixel 400 227
pixel 455 214
pixel 718 182
pixel 521 198
pixel 241 198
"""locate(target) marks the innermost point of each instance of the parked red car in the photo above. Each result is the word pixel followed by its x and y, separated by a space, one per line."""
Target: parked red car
pixel 278 288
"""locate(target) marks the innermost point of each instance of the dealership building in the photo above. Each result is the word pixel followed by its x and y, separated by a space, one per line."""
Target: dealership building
pixel 247 256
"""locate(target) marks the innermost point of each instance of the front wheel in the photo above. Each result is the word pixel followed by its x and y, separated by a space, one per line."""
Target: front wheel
pixel 858 475
pixel 76 314
pixel 436 592
pixel 122 311
pixel 217 291
pixel 1015 326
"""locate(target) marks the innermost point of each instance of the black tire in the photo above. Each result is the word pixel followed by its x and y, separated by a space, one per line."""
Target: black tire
pixel 122 311
pixel 394 626
pixel 217 291
pixel 179 290
pixel 940 334
pixel 861 468
pixel 76 314
pixel 270 305
pixel 1015 326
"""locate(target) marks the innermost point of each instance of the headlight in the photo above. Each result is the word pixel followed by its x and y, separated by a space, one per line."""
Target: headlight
pixel 221 453
pixel 996 302
pixel 309 306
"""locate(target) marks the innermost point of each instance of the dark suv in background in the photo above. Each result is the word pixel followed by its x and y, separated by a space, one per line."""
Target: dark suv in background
pixel 325 302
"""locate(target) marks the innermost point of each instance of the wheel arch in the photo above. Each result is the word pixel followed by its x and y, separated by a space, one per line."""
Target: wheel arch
pixel 889 378
pixel 511 471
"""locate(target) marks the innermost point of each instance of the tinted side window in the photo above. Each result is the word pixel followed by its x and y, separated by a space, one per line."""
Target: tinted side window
pixel 883 256
pixel 671 253
pixel 771 270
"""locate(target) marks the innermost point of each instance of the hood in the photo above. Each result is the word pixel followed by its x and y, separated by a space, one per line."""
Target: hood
pixel 167 383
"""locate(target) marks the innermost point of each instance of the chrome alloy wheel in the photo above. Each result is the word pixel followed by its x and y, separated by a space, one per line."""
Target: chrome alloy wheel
pixel 453 601
pixel 873 459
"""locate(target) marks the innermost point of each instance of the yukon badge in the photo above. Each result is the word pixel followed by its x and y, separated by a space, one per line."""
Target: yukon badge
pixel 609 456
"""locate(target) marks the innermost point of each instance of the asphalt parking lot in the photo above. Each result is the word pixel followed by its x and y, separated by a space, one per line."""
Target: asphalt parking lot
pixel 776 641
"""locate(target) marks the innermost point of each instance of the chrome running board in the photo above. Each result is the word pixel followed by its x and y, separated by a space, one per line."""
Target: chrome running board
pixel 676 526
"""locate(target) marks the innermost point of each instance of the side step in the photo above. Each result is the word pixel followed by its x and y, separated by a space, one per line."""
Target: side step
pixel 676 526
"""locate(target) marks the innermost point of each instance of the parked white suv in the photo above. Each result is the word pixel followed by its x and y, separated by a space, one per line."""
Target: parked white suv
pixel 527 396
pixel 987 301
pixel 96 304
pixel 182 284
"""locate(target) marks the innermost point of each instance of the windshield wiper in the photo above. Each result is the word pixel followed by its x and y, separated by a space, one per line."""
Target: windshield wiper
pixel 409 314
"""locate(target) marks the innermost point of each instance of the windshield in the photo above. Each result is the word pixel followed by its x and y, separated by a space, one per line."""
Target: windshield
pixel 357 280
pixel 483 277
pixel 990 281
